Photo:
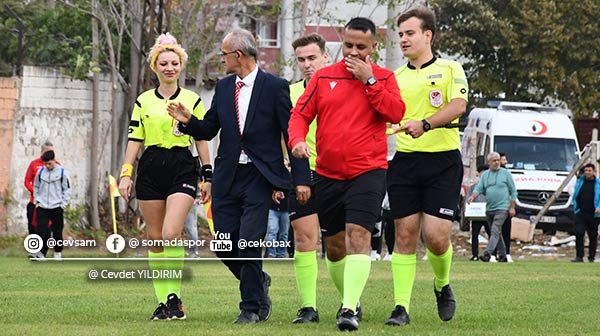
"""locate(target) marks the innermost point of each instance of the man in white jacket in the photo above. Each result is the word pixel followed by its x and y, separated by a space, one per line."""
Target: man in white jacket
pixel 51 192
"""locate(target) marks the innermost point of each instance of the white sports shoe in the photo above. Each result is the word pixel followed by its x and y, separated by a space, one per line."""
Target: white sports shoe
pixel 375 255
pixel 493 259
pixel 509 258
pixel 57 255
pixel 38 257
pixel 388 257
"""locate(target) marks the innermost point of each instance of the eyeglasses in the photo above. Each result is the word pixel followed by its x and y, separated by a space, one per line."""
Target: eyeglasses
pixel 221 53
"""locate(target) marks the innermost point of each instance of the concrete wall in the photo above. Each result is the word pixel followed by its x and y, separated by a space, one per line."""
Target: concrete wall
pixel 52 107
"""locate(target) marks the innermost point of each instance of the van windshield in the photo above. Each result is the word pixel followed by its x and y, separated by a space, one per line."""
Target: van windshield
pixel 529 153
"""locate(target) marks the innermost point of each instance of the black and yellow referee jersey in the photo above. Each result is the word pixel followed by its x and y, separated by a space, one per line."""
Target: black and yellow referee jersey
pixel 152 124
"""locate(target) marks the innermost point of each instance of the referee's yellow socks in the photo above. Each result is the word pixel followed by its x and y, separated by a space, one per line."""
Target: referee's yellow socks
pixel 161 287
pixel 306 270
pixel 441 267
pixel 356 274
pixel 404 268
pixel 174 284
pixel 336 273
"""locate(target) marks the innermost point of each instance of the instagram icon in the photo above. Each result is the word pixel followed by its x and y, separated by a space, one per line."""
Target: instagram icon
pixel 33 243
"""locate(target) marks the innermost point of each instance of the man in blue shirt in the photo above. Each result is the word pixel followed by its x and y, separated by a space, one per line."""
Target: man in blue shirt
pixel 499 188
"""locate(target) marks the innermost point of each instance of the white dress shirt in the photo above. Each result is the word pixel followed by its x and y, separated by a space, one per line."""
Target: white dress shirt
pixel 244 102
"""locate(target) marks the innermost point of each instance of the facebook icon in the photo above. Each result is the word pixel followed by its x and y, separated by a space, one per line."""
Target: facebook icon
pixel 115 243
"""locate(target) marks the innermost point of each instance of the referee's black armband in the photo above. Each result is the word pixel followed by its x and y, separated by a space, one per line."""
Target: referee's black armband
pixel 207 173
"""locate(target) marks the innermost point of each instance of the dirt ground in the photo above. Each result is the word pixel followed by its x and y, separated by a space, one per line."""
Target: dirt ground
pixel 538 249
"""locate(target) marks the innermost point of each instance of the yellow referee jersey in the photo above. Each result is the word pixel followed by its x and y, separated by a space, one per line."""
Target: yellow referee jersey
pixel 296 90
pixel 425 91
pixel 151 123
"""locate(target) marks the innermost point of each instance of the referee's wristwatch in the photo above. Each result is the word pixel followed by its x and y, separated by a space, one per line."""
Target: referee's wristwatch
pixel 426 125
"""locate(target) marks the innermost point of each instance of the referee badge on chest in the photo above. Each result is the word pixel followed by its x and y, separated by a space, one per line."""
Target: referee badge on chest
pixel 176 130
pixel 435 98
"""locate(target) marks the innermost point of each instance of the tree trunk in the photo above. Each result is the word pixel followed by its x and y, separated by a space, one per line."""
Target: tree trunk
pixel 136 67
pixel 94 217
pixel 393 53
pixel 287 36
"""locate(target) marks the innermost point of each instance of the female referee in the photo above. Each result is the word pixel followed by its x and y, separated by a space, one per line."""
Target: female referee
pixel 167 178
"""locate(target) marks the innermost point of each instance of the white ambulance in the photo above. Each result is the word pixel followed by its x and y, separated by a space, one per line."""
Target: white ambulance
pixel 541 147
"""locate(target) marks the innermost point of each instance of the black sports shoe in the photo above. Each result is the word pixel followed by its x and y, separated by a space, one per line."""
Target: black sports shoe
pixel 264 304
pixel 307 315
pixel 446 303
pixel 503 259
pixel 246 316
pixel 474 258
pixel 485 257
pixel 577 260
pixel 399 317
pixel 347 320
pixel 359 312
pixel 175 309
pixel 160 313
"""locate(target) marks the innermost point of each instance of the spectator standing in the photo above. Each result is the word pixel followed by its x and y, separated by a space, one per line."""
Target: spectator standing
pixel 476 225
pixel 586 206
pixel 52 193
pixel 277 230
pixel 500 194
pixel 507 227
pixel 32 170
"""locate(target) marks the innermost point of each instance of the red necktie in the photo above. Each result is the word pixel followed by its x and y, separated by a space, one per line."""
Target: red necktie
pixel 238 86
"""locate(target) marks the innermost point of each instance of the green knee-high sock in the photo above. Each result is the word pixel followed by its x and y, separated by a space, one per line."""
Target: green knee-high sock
pixel 174 284
pixel 404 268
pixel 306 269
pixel 356 274
pixel 441 267
pixel 160 285
pixel 336 273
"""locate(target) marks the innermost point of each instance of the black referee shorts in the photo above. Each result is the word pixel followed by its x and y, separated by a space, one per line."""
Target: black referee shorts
pixel 425 182
pixel 297 210
pixel 162 172
pixel 356 201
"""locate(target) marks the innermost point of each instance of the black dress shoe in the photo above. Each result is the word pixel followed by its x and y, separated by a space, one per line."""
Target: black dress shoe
pixel 246 316
pixel 264 304
pixel 307 315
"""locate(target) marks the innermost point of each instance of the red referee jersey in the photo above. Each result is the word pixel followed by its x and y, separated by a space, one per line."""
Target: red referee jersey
pixel 351 119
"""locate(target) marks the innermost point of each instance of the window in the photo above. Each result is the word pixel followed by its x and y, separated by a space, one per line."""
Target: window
pixel 268 33
pixel 538 153
pixel 263 21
